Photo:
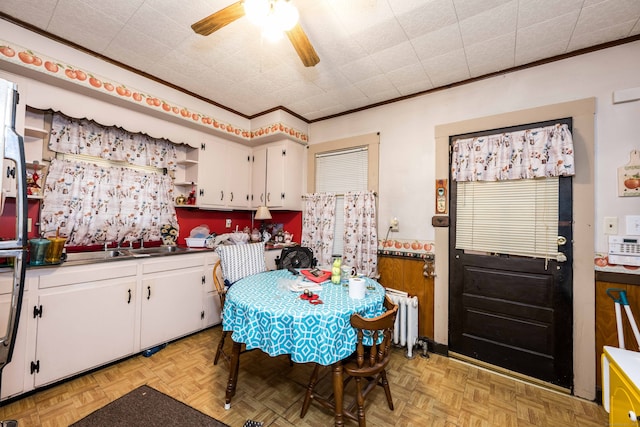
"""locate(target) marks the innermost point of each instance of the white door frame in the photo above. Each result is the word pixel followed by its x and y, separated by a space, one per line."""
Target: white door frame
pixel 582 112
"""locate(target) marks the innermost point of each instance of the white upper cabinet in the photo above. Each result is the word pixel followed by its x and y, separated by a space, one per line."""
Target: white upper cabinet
pixel 278 175
pixel 238 176
pixel 224 176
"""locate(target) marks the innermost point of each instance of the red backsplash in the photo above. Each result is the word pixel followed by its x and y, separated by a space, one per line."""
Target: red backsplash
pixel 188 219
pixel 191 218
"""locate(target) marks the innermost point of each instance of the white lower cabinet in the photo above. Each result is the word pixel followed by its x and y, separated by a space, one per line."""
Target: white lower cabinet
pixel 171 297
pixel 77 318
pixel 84 326
pixel 85 317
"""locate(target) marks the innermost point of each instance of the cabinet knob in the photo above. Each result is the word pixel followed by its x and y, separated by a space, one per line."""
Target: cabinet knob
pixel 11 172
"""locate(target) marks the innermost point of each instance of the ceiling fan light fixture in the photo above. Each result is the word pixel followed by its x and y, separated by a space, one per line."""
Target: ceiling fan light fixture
pixel 273 16
pixel 286 14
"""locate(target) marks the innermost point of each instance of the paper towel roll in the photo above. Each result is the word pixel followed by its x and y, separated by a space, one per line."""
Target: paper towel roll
pixel 357 287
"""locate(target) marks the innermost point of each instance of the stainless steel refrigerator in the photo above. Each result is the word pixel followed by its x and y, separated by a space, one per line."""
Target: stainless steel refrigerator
pixel 13 248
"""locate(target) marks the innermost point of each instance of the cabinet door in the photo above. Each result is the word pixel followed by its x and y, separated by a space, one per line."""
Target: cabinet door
pixel 275 176
pixel 171 305
pixel 239 187
pixel 84 326
pixel 212 175
pixel 258 177
pixel 293 179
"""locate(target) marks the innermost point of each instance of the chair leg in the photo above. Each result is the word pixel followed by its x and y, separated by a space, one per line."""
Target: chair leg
pixel 387 390
pixel 362 422
pixel 308 395
pixel 220 349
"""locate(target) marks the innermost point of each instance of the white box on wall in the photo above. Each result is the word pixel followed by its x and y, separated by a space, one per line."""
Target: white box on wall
pixel 633 225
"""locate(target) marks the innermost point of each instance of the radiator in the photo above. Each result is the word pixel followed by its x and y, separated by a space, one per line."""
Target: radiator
pixel 405 332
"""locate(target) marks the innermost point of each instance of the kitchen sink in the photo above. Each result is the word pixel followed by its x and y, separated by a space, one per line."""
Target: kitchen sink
pixel 116 254
pixel 95 256
pixel 157 250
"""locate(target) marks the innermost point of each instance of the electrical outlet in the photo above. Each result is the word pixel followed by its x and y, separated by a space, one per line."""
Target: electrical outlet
pixel 29 225
pixel 610 225
pixel 394 224
pixel 227 224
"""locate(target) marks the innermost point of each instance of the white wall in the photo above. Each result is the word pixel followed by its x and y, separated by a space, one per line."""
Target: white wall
pixel 407 143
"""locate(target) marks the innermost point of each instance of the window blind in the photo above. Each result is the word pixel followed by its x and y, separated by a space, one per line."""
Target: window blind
pixel 515 217
pixel 342 171
pixel 338 172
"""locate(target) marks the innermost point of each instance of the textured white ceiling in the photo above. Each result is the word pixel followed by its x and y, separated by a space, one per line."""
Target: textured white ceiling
pixel 370 50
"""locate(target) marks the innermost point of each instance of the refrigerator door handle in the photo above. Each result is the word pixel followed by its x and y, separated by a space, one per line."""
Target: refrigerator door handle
pixel 14 150
pixel 6 342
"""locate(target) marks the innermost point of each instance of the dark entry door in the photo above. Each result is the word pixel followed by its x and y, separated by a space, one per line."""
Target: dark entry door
pixel 515 312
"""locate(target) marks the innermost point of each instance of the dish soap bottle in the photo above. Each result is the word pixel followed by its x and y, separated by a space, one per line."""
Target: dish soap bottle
pixel 336 269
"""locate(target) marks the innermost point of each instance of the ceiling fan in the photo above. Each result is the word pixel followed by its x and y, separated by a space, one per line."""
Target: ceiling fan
pixel 269 10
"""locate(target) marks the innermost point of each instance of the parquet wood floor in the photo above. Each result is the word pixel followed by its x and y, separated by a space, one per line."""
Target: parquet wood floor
pixel 437 391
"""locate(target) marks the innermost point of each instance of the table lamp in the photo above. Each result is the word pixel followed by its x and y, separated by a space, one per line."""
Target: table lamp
pixel 263 214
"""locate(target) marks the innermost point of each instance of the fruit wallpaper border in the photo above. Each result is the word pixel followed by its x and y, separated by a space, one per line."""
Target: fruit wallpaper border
pixel 406 247
pixel 44 64
pixel 601 261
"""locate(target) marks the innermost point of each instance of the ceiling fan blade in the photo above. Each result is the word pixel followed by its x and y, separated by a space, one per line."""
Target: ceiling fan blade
pixel 302 45
pixel 219 19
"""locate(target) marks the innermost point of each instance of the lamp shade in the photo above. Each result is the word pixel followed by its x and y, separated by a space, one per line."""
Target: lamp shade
pixel 263 213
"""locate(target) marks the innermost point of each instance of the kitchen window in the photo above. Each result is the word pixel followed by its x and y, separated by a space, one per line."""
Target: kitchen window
pixel 339 166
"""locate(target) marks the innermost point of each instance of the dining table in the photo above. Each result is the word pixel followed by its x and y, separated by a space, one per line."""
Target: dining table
pixel 270 311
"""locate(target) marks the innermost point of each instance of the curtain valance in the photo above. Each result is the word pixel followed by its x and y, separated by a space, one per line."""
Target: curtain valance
pixel 82 136
pixel 531 153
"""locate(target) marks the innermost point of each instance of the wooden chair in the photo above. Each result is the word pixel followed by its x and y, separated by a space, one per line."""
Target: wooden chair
pixel 218 281
pixel 235 263
pixel 367 365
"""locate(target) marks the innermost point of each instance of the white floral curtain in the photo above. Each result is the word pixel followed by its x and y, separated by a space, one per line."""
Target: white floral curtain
pixel 360 232
pixel 92 204
pixel 532 153
pixel 82 136
pixel 318 223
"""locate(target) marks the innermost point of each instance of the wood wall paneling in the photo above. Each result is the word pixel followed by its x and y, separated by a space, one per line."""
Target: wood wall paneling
pixel 407 275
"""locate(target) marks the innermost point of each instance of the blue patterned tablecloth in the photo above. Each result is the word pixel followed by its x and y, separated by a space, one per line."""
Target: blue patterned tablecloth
pixel 263 314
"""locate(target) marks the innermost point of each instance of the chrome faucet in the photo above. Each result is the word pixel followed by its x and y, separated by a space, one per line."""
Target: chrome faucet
pixel 120 242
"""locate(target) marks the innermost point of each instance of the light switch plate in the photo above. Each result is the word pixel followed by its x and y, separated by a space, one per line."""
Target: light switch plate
pixel 611 225
pixel 227 223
